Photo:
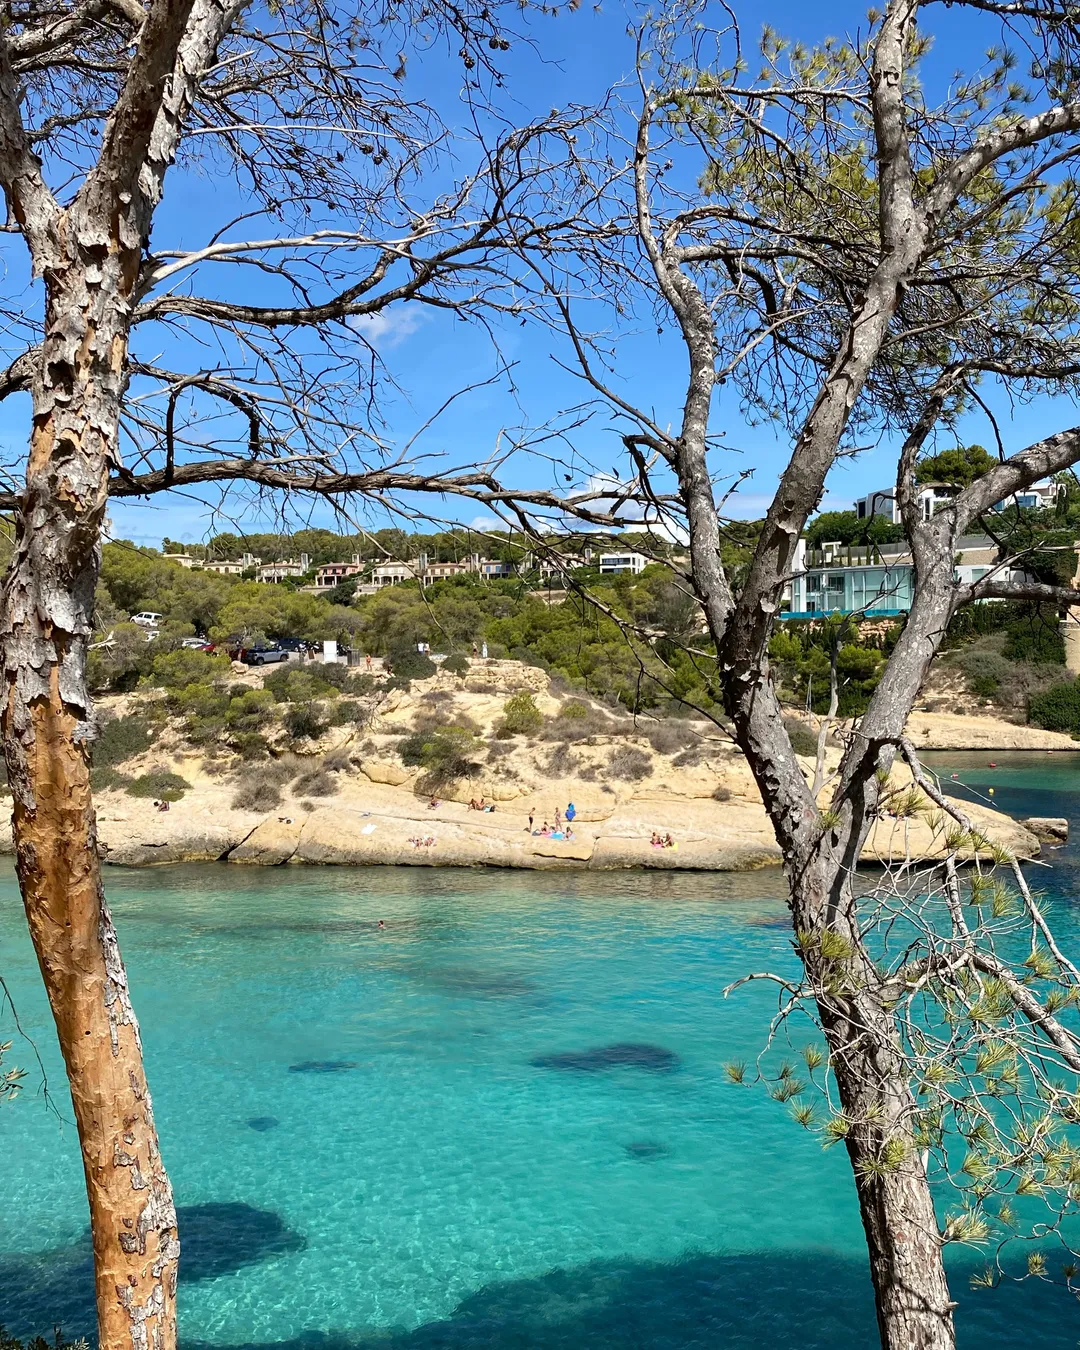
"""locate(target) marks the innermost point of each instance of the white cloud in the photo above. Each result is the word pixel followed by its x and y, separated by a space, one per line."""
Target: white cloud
pixel 389 327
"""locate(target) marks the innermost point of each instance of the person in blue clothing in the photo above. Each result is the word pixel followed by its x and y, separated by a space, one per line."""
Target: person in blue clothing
pixel 571 811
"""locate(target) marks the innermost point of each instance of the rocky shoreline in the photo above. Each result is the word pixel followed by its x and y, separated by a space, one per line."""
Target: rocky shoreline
pixel 370 823
pixel 379 813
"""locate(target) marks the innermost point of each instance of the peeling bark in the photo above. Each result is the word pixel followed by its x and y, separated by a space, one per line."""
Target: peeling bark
pixel 46 616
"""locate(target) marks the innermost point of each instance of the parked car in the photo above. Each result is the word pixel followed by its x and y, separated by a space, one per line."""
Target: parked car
pixel 261 656
pixel 146 618
pixel 197 644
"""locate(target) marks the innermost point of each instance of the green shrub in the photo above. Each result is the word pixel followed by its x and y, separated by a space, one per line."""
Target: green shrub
pixel 408 664
pixel 1035 637
pixel 298 686
pixel 176 670
pixel 630 764
pixel 304 721
pixel 521 716
pixel 333 675
pixel 107 777
pixel 160 783
pixel 345 712
pixel 1057 708
pixel 253 709
pixel 121 739
pixel 456 665
pixel 249 745
pixel 803 741
pixel 445 753
pixel 986 671
pixel 579 722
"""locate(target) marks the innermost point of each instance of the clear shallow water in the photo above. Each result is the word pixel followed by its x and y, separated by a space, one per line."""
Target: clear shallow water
pixel 443 1191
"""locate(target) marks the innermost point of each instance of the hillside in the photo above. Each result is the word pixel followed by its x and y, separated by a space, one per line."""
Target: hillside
pixel 346 775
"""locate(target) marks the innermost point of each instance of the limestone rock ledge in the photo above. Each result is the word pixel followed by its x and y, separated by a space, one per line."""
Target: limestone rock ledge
pixel 381 824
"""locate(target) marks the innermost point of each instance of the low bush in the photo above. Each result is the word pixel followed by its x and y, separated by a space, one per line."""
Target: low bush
pixel 803 740
pixel 337 761
pixel 1057 708
pixel 316 783
pixel 178 669
pixel 333 674
pixel 456 665
pixel 289 685
pixel 446 753
pixel 431 719
pixel 721 793
pixel 304 721
pixel 986 671
pixel 580 722
pixel 408 664
pixel 561 761
pixel 250 746
pixel 250 710
pixel 122 738
pixel 630 764
pixel 108 778
pixel 668 738
pixel 258 792
pixel 521 716
pixel 119 665
pixel 1035 637
pixel 159 783
pixel 345 712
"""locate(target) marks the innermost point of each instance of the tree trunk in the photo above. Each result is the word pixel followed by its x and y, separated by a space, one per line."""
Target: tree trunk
pixel 911 1292
pixel 45 625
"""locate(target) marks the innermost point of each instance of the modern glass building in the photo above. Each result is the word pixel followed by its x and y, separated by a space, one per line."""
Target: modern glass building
pixel 872 590
pixel 875 582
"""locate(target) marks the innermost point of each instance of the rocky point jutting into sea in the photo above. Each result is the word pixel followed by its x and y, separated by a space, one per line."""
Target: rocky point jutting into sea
pixel 379 811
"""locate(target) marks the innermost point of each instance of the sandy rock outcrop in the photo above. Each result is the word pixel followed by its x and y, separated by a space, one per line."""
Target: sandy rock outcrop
pixel 704 795
pixel 949 731
pixel 1048 829
pixel 385 771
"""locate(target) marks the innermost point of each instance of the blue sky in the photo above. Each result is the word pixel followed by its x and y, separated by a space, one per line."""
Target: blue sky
pixel 575 57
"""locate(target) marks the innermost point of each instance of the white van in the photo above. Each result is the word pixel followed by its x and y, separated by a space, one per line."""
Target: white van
pixel 146 618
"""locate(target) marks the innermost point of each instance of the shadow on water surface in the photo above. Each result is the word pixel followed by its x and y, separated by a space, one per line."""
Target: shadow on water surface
pixel 739 1302
pixel 42 1290
pixel 748 1301
pixel 781 1300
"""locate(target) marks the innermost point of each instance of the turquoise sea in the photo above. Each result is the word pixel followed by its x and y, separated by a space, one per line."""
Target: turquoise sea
pixel 399 1136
